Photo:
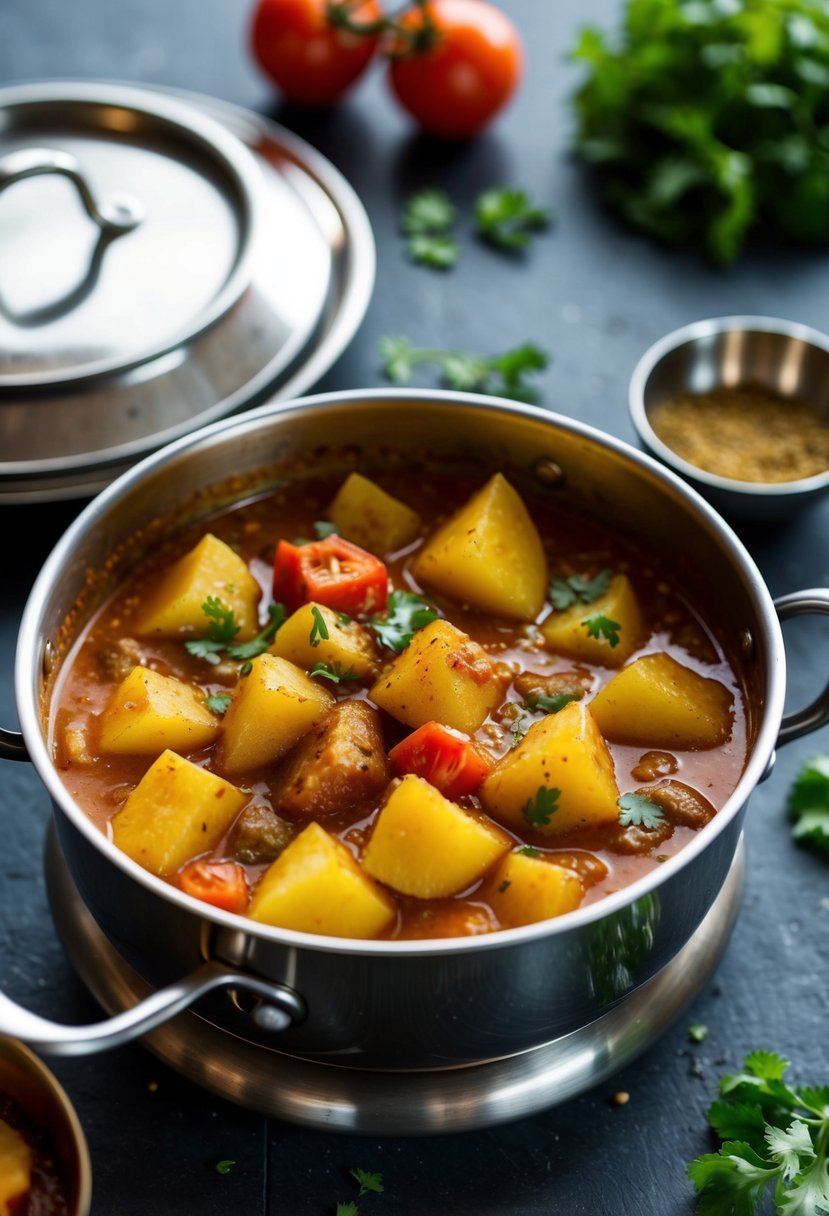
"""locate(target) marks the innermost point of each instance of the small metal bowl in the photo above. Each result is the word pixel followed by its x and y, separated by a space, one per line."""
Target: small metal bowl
pixel 38 1094
pixel 790 359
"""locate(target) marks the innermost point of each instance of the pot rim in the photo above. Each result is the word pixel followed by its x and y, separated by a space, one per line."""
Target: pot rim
pixel 28 661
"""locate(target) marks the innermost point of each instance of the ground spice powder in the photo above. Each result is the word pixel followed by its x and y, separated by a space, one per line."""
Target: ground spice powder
pixel 746 432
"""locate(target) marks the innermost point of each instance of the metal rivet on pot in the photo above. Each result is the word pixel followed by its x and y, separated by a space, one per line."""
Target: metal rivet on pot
pixel 268 1017
pixel 547 472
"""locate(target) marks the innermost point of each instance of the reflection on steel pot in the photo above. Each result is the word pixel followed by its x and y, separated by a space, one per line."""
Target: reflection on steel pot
pixel 397 1004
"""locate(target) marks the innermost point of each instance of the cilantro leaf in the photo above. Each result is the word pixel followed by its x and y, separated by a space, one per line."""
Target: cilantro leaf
pixel 602 627
pixel 539 811
pixel 552 705
pixel 324 528
pixel 218 702
pixel 564 592
pixel 527 850
pixel 809 804
pixel 501 375
pixel 697 1033
pixel 221 630
pixel 730 1182
pixel 259 644
pixel 367 1182
pixel 635 810
pixel 428 211
pixel 224 1167
pixel 404 615
pixel 438 250
pixel 319 629
pixel 333 672
pixel 347 1209
pixel 508 218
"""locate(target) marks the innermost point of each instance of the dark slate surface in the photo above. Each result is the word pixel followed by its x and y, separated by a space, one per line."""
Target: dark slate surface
pixel 596 297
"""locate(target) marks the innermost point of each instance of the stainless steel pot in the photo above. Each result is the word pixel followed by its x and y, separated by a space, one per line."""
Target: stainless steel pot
pixel 379 1004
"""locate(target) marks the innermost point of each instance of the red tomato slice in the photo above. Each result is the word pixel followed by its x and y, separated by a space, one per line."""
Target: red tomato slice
pixel 451 764
pixel 332 572
pixel 220 883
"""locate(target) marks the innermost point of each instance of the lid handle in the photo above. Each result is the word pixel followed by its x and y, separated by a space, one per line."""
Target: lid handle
pixel 114 216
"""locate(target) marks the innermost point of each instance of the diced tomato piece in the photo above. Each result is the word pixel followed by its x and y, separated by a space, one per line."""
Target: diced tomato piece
pixel 450 763
pixel 220 883
pixel 332 572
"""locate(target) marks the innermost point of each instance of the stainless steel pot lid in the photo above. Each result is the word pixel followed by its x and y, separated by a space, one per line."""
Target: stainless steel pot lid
pixel 164 260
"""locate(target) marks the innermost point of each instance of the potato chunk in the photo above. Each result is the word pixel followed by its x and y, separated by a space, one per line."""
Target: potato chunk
pixel 176 812
pixel 316 886
pixel 441 676
pixel 559 777
pixel 212 568
pixel 149 712
pixel 16 1160
pixel 425 845
pixel 337 767
pixel 566 632
pixel 657 702
pixel 364 513
pixel 525 889
pixel 273 706
pixel 489 555
pixel 349 643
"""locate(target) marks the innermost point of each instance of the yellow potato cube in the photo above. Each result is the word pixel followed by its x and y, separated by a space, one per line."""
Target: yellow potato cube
pixel 559 777
pixel 272 708
pixel 441 676
pixel 657 702
pixel 149 712
pixel 566 633
pixel 371 518
pixel 488 555
pixel 16 1160
pixel 525 889
pixel 176 812
pixel 211 569
pixel 316 886
pixel 349 644
pixel 425 845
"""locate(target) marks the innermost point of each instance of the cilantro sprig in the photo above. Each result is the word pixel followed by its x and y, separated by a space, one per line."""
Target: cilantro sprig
pixel 368 1182
pixel 222 628
pixel 539 811
pixel 637 811
pixel 427 221
pixel 404 615
pixel 500 375
pixel 564 592
pixel 218 702
pixel 773 1136
pixel 603 629
pixel 319 629
pixel 333 672
pixel 509 218
pixel 809 805
pixel 553 704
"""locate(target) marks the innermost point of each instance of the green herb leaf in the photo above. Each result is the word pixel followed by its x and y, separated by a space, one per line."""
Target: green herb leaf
pixel 218 702
pixel 564 592
pixel 333 672
pixel 428 211
pixel 635 810
pixel 324 528
pixel 552 705
pixel 246 668
pixel 809 805
pixel 508 218
pixel 367 1182
pixel 319 629
pixel 697 1033
pixel 440 251
pixel 221 630
pixel 404 615
pixel 539 811
pixel 347 1209
pixel 224 1167
pixel 527 850
pixel 602 627
pixel 501 375
pixel 263 639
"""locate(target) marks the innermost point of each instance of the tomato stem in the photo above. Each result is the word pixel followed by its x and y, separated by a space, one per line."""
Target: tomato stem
pixel 403 40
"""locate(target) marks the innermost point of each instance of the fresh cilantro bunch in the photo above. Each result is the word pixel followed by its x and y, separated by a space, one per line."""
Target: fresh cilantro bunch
pixel 502 375
pixel 710 118
pixel 809 804
pixel 773 1136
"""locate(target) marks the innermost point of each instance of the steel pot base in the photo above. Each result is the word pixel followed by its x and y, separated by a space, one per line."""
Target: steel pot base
pixel 374 1103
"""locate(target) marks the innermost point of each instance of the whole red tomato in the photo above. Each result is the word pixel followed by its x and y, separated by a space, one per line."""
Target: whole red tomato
pixel 455 86
pixel 310 59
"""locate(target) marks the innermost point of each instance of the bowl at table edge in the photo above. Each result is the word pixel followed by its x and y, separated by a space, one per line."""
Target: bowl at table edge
pixel 28 1082
pixel 784 356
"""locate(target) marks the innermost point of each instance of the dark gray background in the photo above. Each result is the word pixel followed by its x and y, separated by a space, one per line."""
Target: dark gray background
pixel 596 297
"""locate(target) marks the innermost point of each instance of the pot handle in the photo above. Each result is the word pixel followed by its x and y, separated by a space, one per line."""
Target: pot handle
pixel 12 745
pixel 113 216
pixel 278 1008
pixel 816 713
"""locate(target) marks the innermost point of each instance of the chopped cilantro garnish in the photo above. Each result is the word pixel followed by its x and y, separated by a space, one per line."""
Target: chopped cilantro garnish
pixel 809 804
pixel 697 1033
pixel 773 1136
pixel 517 733
pixel 527 850
pixel 347 1209
pixel 333 672
pixel 323 528
pixel 404 615
pixel 539 811
pixel 564 592
pixel 552 705
pixel 367 1182
pixel 263 639
pixel 246 668
pixel 427 220
pixel 221 630
pixel 602 628
pixel 504 885
pixel 319 629
pixel 501 375
pixel 218 702
pixel 224 1167
pixel 637 811
pixel 508 218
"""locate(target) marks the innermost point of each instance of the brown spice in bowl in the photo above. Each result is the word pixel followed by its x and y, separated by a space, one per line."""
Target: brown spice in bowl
pixel 746 432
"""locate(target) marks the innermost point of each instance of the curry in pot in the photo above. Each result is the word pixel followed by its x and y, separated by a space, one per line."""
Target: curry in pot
pixel 407 708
